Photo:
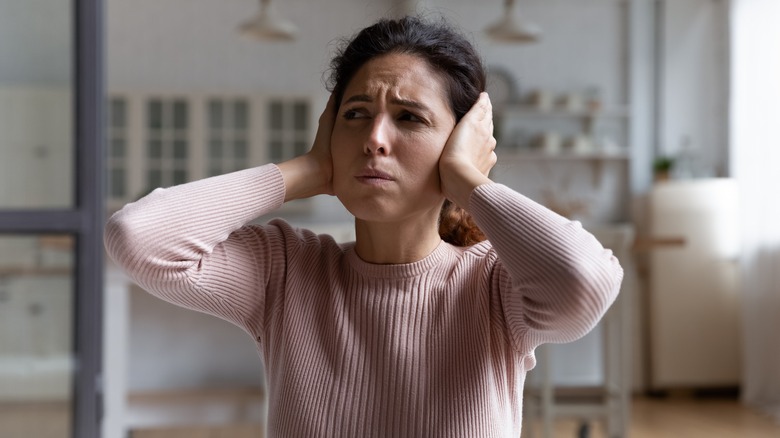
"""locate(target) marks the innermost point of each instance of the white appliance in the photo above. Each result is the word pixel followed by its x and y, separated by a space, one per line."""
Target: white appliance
pixel 694 314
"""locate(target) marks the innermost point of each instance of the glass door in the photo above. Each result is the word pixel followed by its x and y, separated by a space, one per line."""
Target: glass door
pixel 51 217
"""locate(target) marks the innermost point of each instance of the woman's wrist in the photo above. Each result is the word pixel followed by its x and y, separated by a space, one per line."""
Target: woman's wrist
pixel 458 182
pixel 305 176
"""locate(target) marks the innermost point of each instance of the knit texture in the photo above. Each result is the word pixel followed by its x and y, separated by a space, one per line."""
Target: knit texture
pixel 438 347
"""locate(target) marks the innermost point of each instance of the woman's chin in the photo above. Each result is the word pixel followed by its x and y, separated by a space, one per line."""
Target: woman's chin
pixel 389 208
pixel 368 211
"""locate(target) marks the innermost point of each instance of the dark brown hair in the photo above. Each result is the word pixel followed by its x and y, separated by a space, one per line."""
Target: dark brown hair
pixel 447 51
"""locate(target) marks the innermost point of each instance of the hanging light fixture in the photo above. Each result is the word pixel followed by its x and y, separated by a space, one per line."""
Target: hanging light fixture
pixel 266 25
pixel 508 28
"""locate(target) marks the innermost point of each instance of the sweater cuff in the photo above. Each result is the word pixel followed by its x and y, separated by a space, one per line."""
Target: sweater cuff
pixel 265 187
pixel 273 181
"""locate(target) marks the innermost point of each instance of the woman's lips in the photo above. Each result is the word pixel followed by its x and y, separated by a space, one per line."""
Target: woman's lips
pixel 373 176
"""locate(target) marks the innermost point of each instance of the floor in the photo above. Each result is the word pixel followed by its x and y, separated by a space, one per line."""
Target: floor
pixel 693 418
pixel 682 417
pixel 234 431
pixel 685 417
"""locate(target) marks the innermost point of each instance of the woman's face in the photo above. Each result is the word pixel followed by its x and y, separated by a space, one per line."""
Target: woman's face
pixel 391 127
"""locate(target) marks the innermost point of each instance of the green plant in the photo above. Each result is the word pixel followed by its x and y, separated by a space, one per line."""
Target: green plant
pixel 663 164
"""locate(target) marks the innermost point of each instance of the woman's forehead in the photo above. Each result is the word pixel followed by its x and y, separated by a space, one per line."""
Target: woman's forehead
pixel 397 75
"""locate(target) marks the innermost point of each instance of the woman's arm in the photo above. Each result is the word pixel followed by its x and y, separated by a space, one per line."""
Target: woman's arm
pixel 183 243
pixel 188 245
pixel 555 279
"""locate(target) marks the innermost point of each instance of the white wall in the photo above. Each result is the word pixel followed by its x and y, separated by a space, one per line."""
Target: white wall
pixel 694 82
pixel 581 44
pixel 193 45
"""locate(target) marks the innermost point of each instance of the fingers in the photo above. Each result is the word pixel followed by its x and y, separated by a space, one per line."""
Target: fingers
pixel 326 122
pixel 486 113
pixel 482 109
pixel 492 158
pixel 487 104
pixel 328 115
pixel 472 140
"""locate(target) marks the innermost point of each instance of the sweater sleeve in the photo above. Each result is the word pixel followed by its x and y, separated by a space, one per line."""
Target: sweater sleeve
pixel 188 245
pixel 555 279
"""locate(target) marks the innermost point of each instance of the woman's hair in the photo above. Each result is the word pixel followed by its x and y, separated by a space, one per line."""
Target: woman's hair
pixel 447 52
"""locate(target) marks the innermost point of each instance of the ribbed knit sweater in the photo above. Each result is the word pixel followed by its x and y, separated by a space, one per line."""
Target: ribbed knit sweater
pixel 435 348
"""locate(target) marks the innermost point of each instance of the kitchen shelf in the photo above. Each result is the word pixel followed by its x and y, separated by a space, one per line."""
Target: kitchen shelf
pixel 524 129
pixel 595 159
pixel 530 155
pixel 557 112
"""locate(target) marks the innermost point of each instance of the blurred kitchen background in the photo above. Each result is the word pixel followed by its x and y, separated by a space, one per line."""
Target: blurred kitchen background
pixel 653 122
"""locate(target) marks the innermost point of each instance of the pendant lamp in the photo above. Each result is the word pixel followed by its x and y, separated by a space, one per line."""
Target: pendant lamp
pixel 266 25
pixel 509 29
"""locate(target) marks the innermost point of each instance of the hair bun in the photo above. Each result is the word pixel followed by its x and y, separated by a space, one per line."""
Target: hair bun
pixel 457 227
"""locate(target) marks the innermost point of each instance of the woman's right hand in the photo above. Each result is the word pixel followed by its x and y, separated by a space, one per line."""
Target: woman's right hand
pixel 469 153
pixel 311 174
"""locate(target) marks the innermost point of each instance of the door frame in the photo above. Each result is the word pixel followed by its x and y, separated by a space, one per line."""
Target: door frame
pixel 85 219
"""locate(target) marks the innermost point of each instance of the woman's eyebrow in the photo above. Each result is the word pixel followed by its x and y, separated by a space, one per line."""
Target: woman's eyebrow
pixel 409 103
pixel 359 98
pixel 396 101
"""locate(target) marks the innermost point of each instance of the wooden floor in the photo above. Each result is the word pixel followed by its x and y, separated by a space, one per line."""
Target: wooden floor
pixel 685 417
pixel 650 418
pixel 235 431
pixel 700 418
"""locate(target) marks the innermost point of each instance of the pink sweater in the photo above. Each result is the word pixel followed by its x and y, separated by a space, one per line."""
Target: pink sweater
pixel 438 347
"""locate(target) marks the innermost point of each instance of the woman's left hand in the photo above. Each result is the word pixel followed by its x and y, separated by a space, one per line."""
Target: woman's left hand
pixel 469 153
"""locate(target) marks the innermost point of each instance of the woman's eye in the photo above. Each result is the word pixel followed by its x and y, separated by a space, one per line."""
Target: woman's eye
pixel 409 117
pixel 351 114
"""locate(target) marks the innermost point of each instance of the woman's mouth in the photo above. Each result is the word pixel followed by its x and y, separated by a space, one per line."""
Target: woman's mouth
pixel 373 176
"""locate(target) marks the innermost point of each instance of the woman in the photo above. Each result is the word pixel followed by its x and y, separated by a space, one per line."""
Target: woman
pixel 399 333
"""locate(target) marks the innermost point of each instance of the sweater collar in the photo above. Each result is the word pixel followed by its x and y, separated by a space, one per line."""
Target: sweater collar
pixel 401 270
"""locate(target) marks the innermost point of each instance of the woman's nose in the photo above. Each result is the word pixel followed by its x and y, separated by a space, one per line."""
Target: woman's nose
pixel 378 141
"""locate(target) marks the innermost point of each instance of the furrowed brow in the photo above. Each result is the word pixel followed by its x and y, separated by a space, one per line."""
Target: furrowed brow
pixel 359 98
pixel 410 103
pixel 396 101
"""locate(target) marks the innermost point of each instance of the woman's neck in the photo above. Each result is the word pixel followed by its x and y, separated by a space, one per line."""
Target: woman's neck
pixel 396 242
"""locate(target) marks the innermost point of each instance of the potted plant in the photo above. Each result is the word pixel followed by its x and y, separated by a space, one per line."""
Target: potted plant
pixel 662 168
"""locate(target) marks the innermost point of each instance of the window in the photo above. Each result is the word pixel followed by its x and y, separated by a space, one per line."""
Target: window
pixel 159 140
pixel 228 135
pixel 116 158
pixel 288 129
pixel 167 142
